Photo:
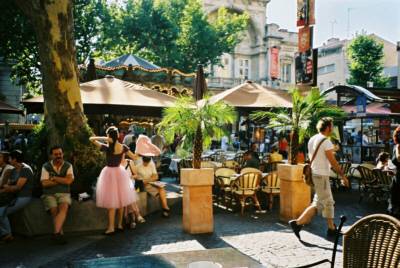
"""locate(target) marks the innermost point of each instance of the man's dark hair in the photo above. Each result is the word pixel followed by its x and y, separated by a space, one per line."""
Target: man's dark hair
pixel 274 149
pixel 17 155
pixel 55 147
pixel 383 157
pixel 324 123
pixel 146 159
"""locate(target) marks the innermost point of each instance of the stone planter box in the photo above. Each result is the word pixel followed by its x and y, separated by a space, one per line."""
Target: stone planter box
pixel 295 194
pixel 197 200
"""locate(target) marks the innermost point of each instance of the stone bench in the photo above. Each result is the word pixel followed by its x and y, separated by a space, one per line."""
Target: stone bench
pixel 82 216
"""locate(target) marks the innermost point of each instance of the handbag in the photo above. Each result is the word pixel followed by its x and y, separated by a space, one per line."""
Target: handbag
pixel 307 171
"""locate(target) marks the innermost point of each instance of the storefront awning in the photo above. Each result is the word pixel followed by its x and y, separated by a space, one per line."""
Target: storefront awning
pixel 109 95
pixel 253 95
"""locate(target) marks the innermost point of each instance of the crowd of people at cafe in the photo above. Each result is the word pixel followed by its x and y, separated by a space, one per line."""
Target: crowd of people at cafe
pixel 132 166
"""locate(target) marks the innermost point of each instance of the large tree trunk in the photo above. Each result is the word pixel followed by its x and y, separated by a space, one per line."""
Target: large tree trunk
pixel 197 148
pixel 52 21
pixel 53 25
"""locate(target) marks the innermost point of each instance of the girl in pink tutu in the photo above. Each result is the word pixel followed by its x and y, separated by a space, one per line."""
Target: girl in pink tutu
pixel 113 189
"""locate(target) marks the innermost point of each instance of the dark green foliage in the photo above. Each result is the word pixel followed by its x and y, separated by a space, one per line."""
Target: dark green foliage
pixel 366 62
pixel 18 44
pixel 170 33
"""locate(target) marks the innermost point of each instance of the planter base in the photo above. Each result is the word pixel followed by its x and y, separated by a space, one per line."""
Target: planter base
pixel 295 194
pixel 197 200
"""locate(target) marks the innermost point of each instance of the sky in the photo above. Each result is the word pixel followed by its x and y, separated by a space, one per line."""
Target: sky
pixel 381 17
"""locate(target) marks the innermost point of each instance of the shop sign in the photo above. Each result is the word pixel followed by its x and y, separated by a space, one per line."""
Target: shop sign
pixel 305 12
pixel 384 129
pixel 361 103
pixel 305 38
pixel 306 67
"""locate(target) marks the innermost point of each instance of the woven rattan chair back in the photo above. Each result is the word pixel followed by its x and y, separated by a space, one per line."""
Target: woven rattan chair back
pixel 367 175
pixel 272 181
pixel 239 159
pixel 373 241
pixel 345 167
pixel 382 177
pixel 248 181
pixel 249 169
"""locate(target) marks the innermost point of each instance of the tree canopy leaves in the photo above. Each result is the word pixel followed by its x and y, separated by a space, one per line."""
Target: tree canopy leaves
pixel 366 62
pixel 170 33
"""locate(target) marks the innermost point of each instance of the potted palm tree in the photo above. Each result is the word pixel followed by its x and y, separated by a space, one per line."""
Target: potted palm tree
pixel 197 122
pixel 301 120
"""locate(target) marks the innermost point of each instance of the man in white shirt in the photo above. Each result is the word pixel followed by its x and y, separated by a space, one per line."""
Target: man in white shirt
pixel 146 171
pixel 325 159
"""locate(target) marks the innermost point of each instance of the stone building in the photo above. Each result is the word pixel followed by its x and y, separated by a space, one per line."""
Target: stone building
pixel 251 57
pixel 10 94
pixel 333 63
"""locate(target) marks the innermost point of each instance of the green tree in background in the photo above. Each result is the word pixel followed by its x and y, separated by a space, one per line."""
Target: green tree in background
pixel 366 62
pixel 18 44
pixel 170 33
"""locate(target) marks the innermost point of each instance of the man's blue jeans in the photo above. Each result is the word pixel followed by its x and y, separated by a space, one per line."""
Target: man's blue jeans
pixel 5 227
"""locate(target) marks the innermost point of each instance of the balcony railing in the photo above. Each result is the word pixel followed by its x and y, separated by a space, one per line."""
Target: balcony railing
pixel 221 82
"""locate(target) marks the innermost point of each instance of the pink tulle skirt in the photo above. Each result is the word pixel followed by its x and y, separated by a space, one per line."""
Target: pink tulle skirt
pixel 114 188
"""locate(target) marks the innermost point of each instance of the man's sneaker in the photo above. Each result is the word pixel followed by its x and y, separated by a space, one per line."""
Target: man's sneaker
pixel 296 228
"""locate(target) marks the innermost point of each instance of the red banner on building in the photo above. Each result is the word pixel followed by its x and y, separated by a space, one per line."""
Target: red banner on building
pixel 274 66
pixel 305 38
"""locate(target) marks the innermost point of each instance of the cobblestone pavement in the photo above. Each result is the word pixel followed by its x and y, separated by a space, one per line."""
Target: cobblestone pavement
pixel 259 236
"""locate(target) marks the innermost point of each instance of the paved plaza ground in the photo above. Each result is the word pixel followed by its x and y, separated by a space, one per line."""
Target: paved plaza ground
pixel 260 236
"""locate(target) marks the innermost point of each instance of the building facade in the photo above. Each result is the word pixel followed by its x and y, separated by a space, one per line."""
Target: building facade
pixel 251 59
pixel 10 94
pixel 333 63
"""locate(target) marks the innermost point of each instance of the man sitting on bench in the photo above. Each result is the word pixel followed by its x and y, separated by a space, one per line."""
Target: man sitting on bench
pixel 57 175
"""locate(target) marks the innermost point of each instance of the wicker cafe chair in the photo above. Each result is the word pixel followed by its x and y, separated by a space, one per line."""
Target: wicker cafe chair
pixel 246 186
pixel 345 166
pixel 271 188
pixel 239 158
pixel 249 169
pixel 223 179
pixel 383 184
pixel 367 182
pixel 373 241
